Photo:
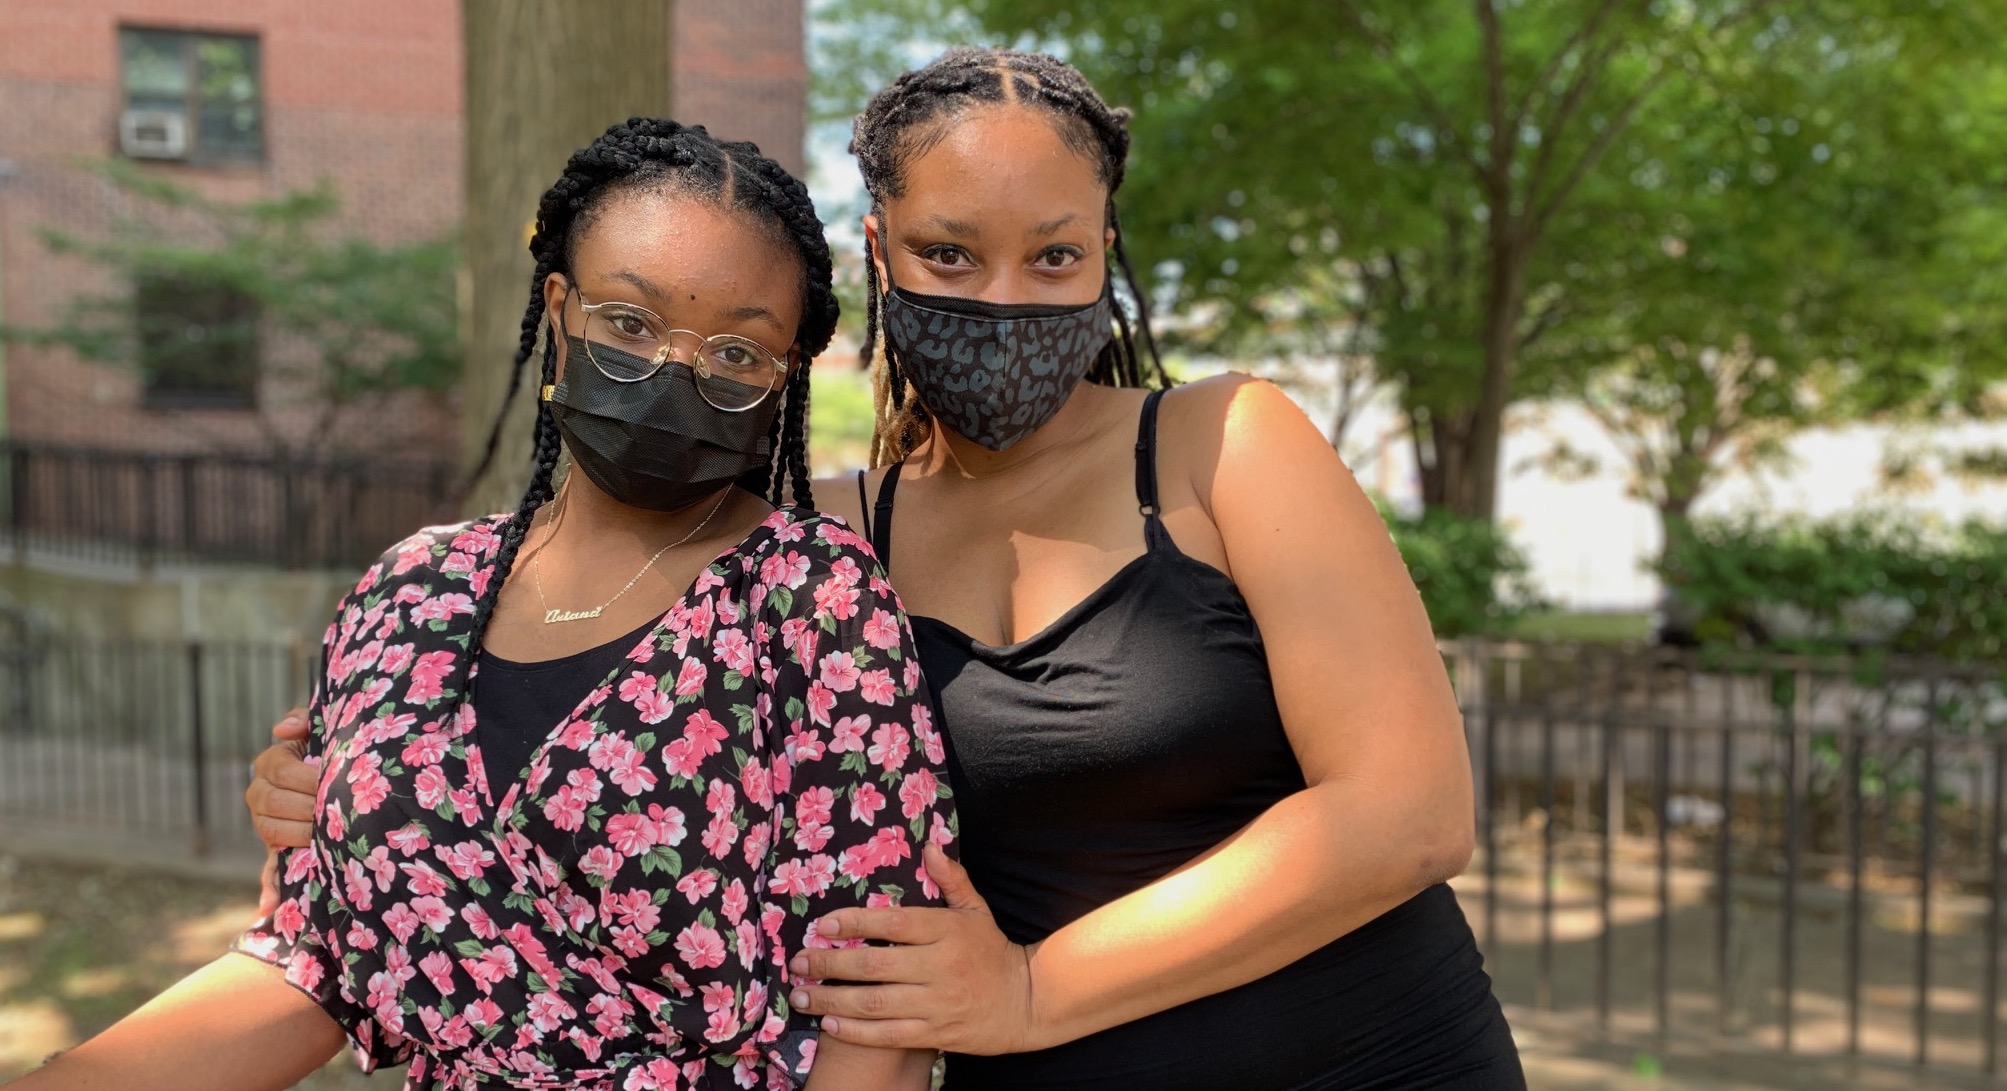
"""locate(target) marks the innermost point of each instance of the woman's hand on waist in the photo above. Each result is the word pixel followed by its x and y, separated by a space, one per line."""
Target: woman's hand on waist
pixel 951 980
pixel 281 799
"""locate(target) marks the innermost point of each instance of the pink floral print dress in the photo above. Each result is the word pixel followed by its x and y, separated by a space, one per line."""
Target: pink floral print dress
pixel 621 915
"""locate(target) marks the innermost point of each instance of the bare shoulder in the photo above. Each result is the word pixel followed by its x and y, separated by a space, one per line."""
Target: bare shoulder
pixel 1233 430
pixel 837 496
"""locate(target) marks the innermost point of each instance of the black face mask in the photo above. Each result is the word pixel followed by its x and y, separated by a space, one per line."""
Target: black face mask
pixel 655 444
pixel 994 373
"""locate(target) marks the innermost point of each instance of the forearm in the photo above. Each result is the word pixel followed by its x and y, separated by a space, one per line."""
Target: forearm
pixel 1310 869
pixel 233 1025
pixel 840 1066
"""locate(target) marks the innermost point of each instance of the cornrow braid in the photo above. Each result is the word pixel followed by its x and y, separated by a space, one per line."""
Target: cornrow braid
pixel 909 117
pixel 657 155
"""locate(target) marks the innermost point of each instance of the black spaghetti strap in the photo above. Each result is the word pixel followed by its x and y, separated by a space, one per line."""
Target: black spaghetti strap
pixel 1146 476
pixel 863 506
pixel 881 528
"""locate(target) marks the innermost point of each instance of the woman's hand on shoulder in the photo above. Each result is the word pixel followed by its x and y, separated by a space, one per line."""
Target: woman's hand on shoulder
pixel 950 979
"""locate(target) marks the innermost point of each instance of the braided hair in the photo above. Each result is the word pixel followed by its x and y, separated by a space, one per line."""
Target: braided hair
pixel 645 154
pixel 909 118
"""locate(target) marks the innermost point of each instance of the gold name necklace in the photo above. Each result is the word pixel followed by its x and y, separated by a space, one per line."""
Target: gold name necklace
pixel 552 617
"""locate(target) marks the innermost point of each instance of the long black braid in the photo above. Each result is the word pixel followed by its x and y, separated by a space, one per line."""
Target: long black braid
pixel 912 115
pixel 651 154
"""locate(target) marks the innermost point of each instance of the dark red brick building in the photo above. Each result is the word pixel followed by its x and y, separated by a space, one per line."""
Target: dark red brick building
pixel 248 98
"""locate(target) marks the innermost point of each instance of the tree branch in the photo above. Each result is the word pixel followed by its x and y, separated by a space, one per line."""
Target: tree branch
pixel 1546 320
pixel 1499 177
pixel 1586 31
pixel 1400 281
pixel 1445 121
pixel 1592 69
pixel 1536 224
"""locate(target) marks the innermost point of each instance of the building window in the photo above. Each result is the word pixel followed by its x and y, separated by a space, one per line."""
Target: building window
pixel 191 96
pixel 198 343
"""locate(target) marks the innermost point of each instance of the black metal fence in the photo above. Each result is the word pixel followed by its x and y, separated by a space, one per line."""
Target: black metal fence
pixel 150 739
pixel 1791 856
pixel 135 508
pixel 1795 855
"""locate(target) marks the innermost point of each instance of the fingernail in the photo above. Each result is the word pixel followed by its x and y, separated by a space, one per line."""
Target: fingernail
pixel 830 1024
pixel 799 966
pixel 292 721
pixel 799 998
pixel 828 927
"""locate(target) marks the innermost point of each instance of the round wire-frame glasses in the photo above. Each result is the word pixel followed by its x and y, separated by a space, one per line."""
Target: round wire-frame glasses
pixel 630 344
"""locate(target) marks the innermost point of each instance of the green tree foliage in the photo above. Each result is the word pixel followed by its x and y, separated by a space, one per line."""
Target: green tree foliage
pixel 1432 149
pixel 1670 207
pixel 1801 242
pixel 1473 580
pixel 340 318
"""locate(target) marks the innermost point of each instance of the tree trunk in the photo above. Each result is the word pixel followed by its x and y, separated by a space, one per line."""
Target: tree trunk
pixel 1443 455
pixel 1504 307
pixel 542 80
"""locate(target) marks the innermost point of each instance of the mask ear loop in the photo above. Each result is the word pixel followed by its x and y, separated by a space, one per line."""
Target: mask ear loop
pixel 545 392
pixel 895 370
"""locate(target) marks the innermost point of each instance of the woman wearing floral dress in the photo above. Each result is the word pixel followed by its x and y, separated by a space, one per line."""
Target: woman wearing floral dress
pixel 570 830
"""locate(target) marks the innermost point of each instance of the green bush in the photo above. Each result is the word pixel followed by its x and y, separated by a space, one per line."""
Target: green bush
pixel 1473 579
pixel 1885 580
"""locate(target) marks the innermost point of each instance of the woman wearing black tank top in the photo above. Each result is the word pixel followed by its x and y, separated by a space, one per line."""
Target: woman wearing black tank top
pixel 1211 775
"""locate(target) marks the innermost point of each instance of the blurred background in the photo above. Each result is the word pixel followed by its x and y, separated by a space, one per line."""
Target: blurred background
pixel 1667 333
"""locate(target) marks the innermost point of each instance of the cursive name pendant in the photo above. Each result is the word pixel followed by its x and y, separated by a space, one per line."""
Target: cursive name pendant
pixel 554 617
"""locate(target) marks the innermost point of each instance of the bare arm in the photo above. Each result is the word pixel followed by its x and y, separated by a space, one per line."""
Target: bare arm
pixel 840 1066
pixel 1387 811
pixel 233 1025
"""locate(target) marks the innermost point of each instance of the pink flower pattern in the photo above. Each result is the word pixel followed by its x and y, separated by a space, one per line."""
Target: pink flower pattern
pixel 623 917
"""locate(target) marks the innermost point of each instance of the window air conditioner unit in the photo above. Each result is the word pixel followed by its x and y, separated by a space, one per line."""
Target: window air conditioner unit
pixel 153 134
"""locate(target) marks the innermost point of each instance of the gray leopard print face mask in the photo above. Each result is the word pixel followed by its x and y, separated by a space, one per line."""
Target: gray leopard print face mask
pixel 994 372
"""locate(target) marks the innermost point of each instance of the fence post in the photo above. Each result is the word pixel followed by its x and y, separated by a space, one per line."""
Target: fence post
pixel 198 749
pixel 17 499
pixel 190 507
pixel 149 513
pixel 292 549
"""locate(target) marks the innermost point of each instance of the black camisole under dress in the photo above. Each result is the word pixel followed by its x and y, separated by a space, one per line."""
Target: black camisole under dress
pixel 1129 736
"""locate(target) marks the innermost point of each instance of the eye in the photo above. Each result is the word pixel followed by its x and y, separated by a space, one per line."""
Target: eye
pixel 946 254
pixel 628 325
pixel 1057 257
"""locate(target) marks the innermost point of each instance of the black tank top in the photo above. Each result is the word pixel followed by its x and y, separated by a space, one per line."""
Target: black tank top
pixel 1132 734
pixel 518 705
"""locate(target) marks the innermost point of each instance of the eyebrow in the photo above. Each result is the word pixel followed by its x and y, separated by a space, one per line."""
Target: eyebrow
pixel 751 312
pixel 757 313
pixel 961 229
pixel 647 286
pixel 1051 227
